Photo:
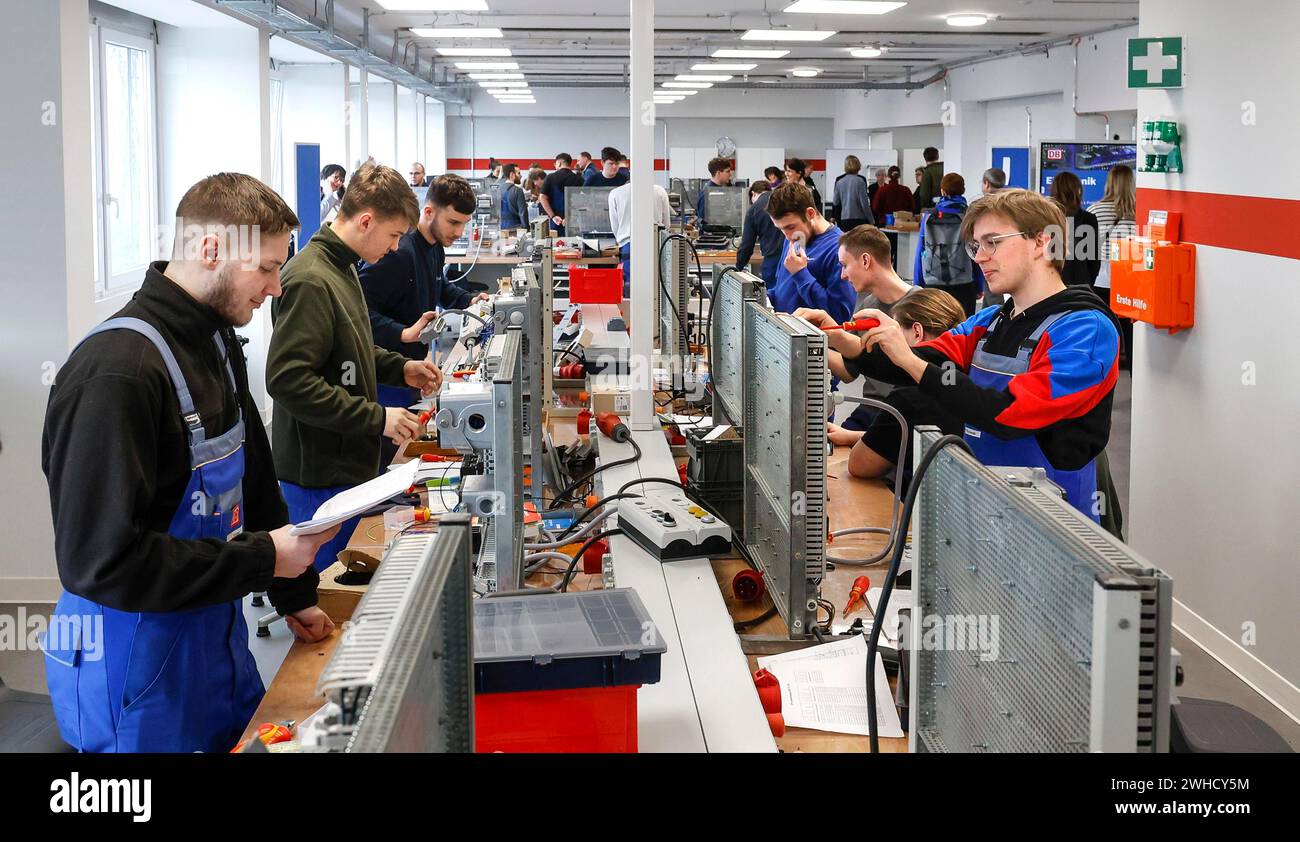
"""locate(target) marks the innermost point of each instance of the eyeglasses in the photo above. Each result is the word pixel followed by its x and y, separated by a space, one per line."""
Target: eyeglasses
pixel 989 243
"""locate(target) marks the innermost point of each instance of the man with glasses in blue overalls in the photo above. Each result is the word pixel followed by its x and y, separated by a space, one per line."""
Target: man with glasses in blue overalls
pixel 165 502
pixel 1033 379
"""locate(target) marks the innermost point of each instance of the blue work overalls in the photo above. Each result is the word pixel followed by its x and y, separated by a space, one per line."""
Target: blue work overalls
pixel 994 371
pixel 179 681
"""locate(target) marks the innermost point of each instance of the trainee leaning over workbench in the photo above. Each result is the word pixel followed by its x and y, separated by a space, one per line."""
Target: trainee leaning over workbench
pixel 162 490
pixel 404 289
pixel 1033 379
pixel 323 365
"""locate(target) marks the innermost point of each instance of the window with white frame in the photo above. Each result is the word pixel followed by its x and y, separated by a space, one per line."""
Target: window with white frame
pixel 126 155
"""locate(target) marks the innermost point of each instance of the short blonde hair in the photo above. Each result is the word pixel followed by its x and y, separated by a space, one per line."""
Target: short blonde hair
pixel 852 164
pixel 1030 212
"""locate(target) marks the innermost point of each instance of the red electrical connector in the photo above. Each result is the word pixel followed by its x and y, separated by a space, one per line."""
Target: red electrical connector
pixel 748 585
pixel 584 422
pixel 571 371
pixel 612 426
pixel 593 560
pixel 857 326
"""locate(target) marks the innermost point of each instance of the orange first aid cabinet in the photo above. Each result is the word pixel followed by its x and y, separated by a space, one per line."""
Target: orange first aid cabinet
pixel 1155 283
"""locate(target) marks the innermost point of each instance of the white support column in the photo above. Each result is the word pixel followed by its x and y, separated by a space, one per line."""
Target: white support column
pixel 264 110
pixel 364 152
pixel 347 116
pixel 397 147
pixel 642 117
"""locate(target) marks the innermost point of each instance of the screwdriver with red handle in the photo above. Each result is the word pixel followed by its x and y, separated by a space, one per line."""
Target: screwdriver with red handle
pixel 861 585
pixel 856 326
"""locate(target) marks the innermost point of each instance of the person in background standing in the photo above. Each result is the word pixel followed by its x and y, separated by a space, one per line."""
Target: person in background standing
pixel 796 172
pixel 893 197
pixel 851 201
pixel 774 176
pixel 610 173
pixel 514 204
pixel 620 217
pixel 417 175
pixel 1116 215
pixel 758 228
pixel 331 188
pixel 928 193
pixel 533 187
pixel 585 165
pixel 1083 261
pixel 941 258
pixel 881 178
pixel 720 172
pixel 552 195
pixel 994 180
pixel 494 171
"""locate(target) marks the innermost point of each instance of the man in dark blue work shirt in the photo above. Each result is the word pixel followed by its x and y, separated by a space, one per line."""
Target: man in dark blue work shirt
pixel 514 204
pixel 720 172
pixel 610 175
pixel 403 290
pixel 759 229
pixel 552 195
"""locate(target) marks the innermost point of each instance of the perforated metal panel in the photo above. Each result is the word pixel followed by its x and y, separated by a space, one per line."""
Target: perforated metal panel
pixel 507 465
pixel 671 305
pixel 785 405
pixel 586 211
pixel 403 673
pixel 1027 627
pixel 731 289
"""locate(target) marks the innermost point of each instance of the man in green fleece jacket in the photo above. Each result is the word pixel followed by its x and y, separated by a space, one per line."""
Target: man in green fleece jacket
pixel 323 367
pixel 927 193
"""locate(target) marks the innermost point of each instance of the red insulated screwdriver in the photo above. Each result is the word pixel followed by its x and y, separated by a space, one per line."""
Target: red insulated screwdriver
pixel 855 326
pixel 861 585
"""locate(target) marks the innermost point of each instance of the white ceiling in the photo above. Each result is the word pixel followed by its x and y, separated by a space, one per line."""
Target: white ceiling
pixel 572 42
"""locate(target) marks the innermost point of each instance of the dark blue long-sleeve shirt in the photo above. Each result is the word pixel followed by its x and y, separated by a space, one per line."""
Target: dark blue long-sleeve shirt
pixel 403 286
pixel 760 229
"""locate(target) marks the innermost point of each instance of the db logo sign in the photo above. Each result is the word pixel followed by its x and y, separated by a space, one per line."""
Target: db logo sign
pixel 1056 154
pixel 236 516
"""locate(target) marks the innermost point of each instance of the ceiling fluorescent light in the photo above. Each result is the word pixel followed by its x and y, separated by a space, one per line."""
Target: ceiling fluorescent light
pixel 708 67
pixel 676 93
pixel 695 77
pixel 456 32
pixel 841 7
pixel 498 83
pixel 867 52
pixel 478 77
pixel 697 85
pixel 434 5
pixel 472 52
pixel 787 35
pixel 487 65
pixel 805 72
pixel 967 20
pixel 772 54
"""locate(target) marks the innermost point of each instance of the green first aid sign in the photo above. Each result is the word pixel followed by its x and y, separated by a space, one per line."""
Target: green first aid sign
pixel 1155 62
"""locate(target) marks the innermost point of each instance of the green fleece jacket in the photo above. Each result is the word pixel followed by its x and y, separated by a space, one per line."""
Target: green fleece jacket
pixel 321 371
pixel 927 193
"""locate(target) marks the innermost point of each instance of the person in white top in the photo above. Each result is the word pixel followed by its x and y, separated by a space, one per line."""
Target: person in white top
pixel 620 218
pixel 1116 220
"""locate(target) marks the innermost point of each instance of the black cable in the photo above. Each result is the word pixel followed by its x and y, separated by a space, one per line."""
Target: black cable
pixel 595 507
pixel 663 480
pixel 746 624
pixel 573 565
pixel 563 495
pixel 888 586
pixel 568 351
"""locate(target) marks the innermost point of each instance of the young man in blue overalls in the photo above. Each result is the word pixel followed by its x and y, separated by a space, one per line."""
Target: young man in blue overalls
pixel 165 502
pixel 1033 379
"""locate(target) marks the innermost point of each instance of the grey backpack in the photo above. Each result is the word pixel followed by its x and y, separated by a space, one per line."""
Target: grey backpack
pixel 944 261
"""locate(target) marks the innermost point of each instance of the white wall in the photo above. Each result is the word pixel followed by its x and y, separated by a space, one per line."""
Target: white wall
pixel 1214 482
pixel 313 113
pixel 983 105
pixel 800 122
pixel 47 277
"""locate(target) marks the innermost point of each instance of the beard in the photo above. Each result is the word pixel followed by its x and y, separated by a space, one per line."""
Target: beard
pixel 224 298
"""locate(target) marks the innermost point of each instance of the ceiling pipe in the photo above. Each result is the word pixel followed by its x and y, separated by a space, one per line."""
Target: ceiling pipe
pixel 866 85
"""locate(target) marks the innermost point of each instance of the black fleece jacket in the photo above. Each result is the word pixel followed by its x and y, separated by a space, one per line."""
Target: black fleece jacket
pixel 117 459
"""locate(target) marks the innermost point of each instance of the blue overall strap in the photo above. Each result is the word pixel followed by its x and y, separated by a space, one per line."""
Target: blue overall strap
pixel 148 331
pixel 1018 364
pixel 224 355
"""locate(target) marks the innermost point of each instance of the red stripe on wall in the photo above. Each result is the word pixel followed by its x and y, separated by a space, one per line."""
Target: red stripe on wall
pixel 1242 223
pixel 461 164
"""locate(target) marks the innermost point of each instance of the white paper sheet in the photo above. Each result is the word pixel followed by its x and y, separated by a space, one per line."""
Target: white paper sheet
pixel 825 688
pixel 359 498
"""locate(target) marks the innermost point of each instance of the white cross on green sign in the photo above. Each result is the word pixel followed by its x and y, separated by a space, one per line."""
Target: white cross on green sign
pixel 1155 62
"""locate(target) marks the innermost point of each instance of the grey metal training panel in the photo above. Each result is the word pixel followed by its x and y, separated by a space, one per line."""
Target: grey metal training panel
pixel 403 673
pixel 672 274
pixel 507 465
pixel 586 211
pixel 1034 630
pixel 731 289
pixel 785 408
pixel 535 354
